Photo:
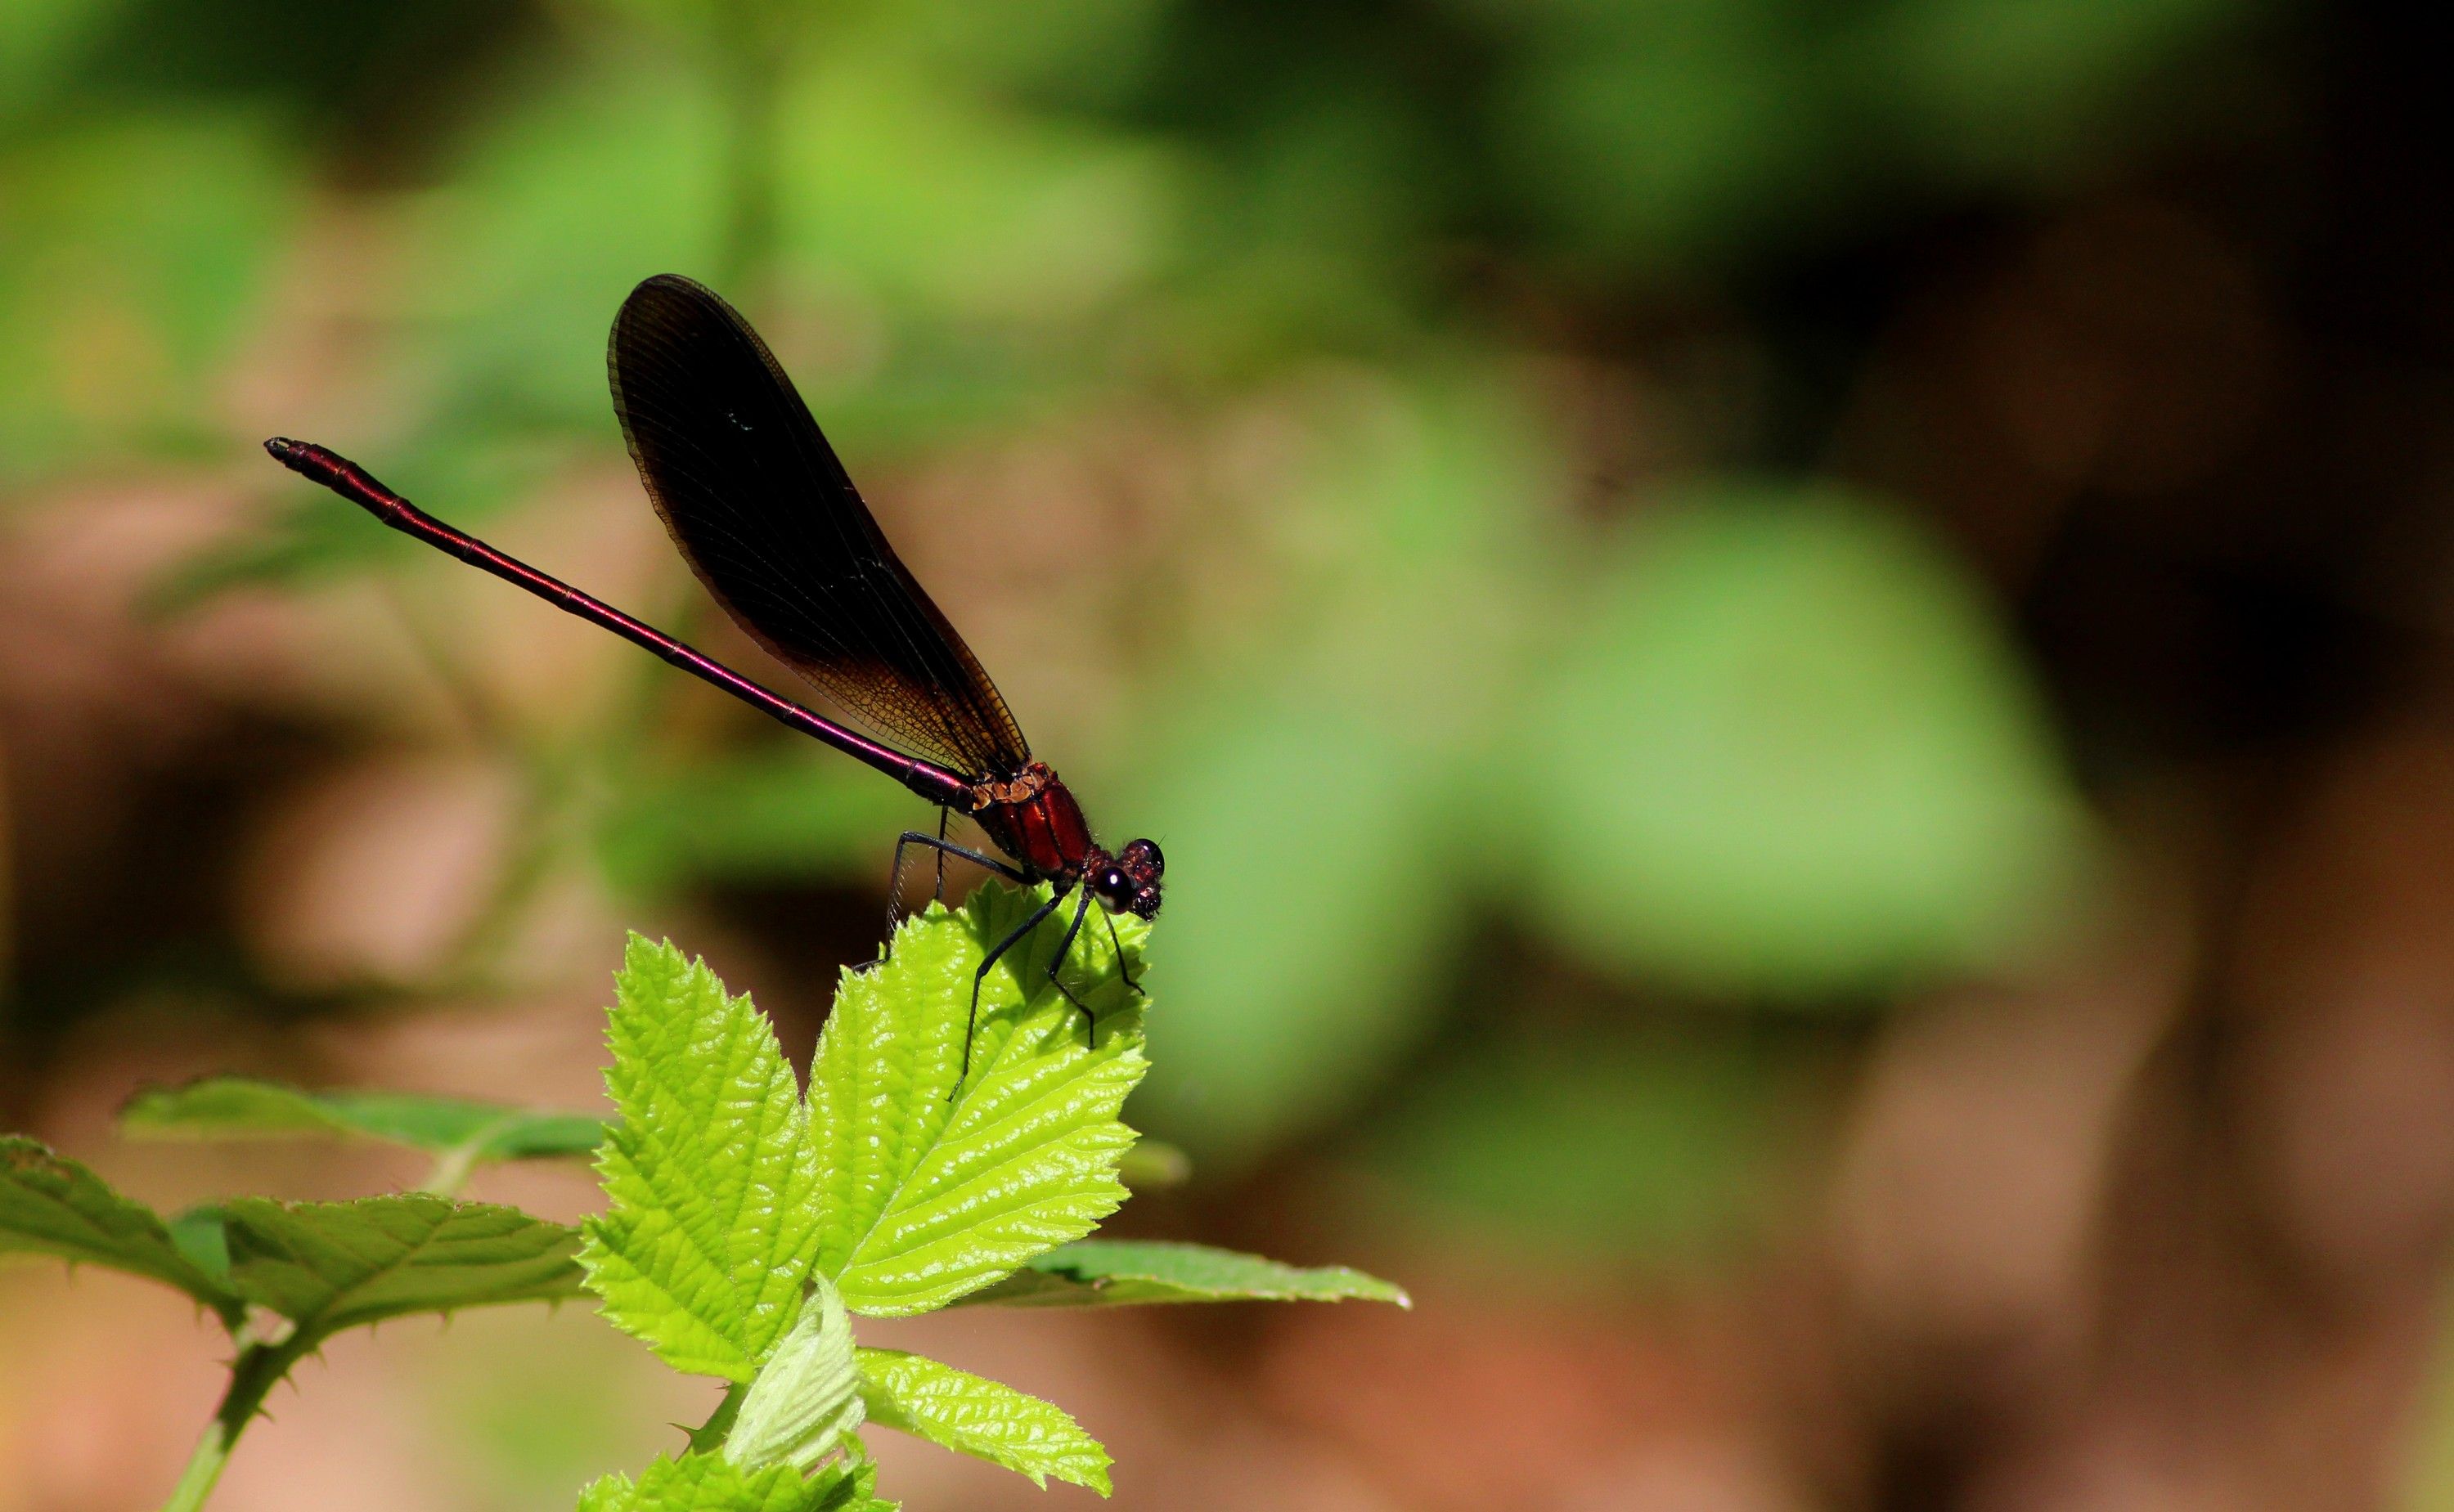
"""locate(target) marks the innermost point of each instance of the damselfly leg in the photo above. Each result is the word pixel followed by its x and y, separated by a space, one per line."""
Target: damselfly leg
pixel 1014 936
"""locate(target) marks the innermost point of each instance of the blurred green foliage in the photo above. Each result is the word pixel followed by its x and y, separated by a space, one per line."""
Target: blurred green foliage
pixel 1673 1150
pixel 1659 136
pixel 133 248
pixel 1825 768
pixel 1388 668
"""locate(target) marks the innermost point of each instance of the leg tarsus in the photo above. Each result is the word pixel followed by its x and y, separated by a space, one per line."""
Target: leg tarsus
pixel 1131 983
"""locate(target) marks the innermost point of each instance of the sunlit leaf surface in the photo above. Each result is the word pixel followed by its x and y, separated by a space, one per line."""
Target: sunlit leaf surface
pixel 938 1181
pixel 712 1218
pixel 980 1417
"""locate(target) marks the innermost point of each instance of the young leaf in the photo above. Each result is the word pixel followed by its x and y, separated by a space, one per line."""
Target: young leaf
pixel 241 1108
pixel 807 1396
pixel 934 1189
pixel 712 1217
pixel 1120 1273
pixel 981 1418
pixel 706 1482
pixel 334 1265
pixel 53 1205
pixel 850 1483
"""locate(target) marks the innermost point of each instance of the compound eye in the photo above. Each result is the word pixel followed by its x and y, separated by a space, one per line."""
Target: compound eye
pixel 1144 855
pixel 1112 884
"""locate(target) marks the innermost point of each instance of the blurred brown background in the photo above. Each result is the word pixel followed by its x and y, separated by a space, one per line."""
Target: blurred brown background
pixel 1793 660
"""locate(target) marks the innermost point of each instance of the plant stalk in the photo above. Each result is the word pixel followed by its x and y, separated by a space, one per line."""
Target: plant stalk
pixel 258 1367
pixel 453 1167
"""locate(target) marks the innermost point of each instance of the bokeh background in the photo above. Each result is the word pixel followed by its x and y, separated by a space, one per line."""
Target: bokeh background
pixel 1793 660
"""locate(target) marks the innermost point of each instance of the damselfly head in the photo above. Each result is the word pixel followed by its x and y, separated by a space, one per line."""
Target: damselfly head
pixel 1129 881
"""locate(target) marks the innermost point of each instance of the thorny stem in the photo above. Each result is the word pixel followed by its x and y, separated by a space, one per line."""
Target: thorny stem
pixel 258 1367
pixel 708 1435
pixel 751 234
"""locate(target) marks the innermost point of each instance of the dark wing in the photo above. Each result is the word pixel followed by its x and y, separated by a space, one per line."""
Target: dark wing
pixel 768 519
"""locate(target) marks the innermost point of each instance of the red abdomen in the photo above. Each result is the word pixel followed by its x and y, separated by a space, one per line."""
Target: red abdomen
pixel 1045 832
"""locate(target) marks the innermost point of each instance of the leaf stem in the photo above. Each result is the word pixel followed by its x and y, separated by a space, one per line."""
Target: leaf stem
pixel 453 1167
pixel 253 1373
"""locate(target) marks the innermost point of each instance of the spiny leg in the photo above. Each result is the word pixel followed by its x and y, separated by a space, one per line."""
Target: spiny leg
pixel 981 976
pixel 944 847
pixel 938 893
pixel 894 893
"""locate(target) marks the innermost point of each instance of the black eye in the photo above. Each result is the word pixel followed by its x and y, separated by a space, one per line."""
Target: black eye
pixel 1113 881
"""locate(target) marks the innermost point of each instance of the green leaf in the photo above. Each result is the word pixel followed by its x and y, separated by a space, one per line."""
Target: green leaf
pixel 981 1418
pixel 241 1108
pixel 713 1202
pixel 807 1395
pixel 334 1265
pixel 705 1483
pixel 202 1234
pixel 53 1205
pixel 1123 1273
pixel 929 1195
